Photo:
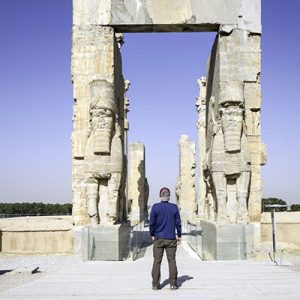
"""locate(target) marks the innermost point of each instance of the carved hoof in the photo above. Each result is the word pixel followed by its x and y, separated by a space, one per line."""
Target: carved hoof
pixel 242 220
pixel 222 220
pixel 94 220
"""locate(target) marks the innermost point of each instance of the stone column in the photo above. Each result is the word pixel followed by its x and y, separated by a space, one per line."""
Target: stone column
pixel 138 190
pixel 234 148
pixel 252 95
pixel 201 125
pixel 126 110
pixel 185 188
pixel 126 129
pixel 98 127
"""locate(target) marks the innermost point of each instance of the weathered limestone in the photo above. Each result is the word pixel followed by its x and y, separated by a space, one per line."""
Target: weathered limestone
pixel 230 148
pixel 138 189
pixel 39 235
pixel 169 15
pixel 203 207
pixel 234 71
pixel 287 227
pixel 185 187
pixel 228 241
pixel 126 110
pixel 98 150
pixel 105 242
pixel 234 151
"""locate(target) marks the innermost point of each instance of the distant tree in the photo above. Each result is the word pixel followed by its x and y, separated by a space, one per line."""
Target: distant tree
pixel 272 201
pixel 295 207
pixel 66 209
pixel 36 209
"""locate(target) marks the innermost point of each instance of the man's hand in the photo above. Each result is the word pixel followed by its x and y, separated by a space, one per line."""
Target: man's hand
pixel 178 240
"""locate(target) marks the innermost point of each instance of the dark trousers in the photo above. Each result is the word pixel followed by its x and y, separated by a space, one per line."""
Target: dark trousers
pixel 159 246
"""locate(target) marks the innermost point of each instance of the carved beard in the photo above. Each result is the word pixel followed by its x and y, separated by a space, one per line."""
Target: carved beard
pixel 103 128
pixel 232 123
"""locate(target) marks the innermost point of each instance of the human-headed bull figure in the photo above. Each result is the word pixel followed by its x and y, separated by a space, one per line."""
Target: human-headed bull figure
pixel 103 165
pixel 228 163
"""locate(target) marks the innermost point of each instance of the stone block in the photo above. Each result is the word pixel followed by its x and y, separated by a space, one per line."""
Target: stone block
pixel 92 56
pixel 253 120
pixel 209 232
pixel 229 68
pixel 255 195
pixel 78 232
pixel 230 242
pixel 37 235
pixel 91 12
pixel 250 42
pixel 77 169
pixel 263 154
pixel 249 15
pixel 250 63
pixel 149 15
pixel 227 242
pixel 252 238
pixel 239 66
pixel 80 86
pixel 79 138
pixel 231 91
pixel 105 242
pixel 79 202
pixel 287 227
pixel 205 13
pixel 252 95
pixel 169 11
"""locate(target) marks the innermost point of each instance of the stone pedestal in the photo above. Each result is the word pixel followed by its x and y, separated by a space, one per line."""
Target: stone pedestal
pixel 228 242
pixel 105 242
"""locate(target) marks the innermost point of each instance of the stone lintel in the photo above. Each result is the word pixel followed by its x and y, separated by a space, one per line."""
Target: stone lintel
pixel 166 15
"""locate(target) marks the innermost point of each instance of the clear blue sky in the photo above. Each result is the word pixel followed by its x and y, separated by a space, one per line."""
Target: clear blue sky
pixel 36 98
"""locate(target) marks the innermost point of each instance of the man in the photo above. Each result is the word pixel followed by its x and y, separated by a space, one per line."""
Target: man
pixel 164 218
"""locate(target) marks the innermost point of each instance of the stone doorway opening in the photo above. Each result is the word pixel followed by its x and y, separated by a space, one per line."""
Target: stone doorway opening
pixel 163 69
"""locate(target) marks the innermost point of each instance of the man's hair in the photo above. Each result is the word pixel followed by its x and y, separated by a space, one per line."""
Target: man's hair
pixel 164 193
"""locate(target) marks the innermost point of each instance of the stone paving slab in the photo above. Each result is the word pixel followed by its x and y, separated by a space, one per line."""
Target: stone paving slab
pixel 132 280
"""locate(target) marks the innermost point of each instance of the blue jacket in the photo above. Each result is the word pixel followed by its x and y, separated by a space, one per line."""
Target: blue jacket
pixel 164 218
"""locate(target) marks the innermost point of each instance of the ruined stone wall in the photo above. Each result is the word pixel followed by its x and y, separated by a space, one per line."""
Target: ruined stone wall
pixel 185 187
pixel 287 227
pixel 40 235
pixel 138 189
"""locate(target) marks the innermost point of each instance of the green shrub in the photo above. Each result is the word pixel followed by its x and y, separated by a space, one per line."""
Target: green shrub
pixel 295 207
pixel 272 201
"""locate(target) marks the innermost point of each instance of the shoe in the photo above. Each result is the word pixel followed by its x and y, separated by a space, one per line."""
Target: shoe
pixel 174 287
pixel 156 287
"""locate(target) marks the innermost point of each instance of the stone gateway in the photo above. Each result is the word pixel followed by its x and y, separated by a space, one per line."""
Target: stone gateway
pixel 230 149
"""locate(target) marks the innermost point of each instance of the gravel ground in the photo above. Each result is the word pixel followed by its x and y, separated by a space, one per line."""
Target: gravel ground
pixel 15 269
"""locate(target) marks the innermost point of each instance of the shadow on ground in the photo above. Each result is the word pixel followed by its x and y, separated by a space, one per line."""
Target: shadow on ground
pixel 4 271
pixel 180 280
pixel 142 251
